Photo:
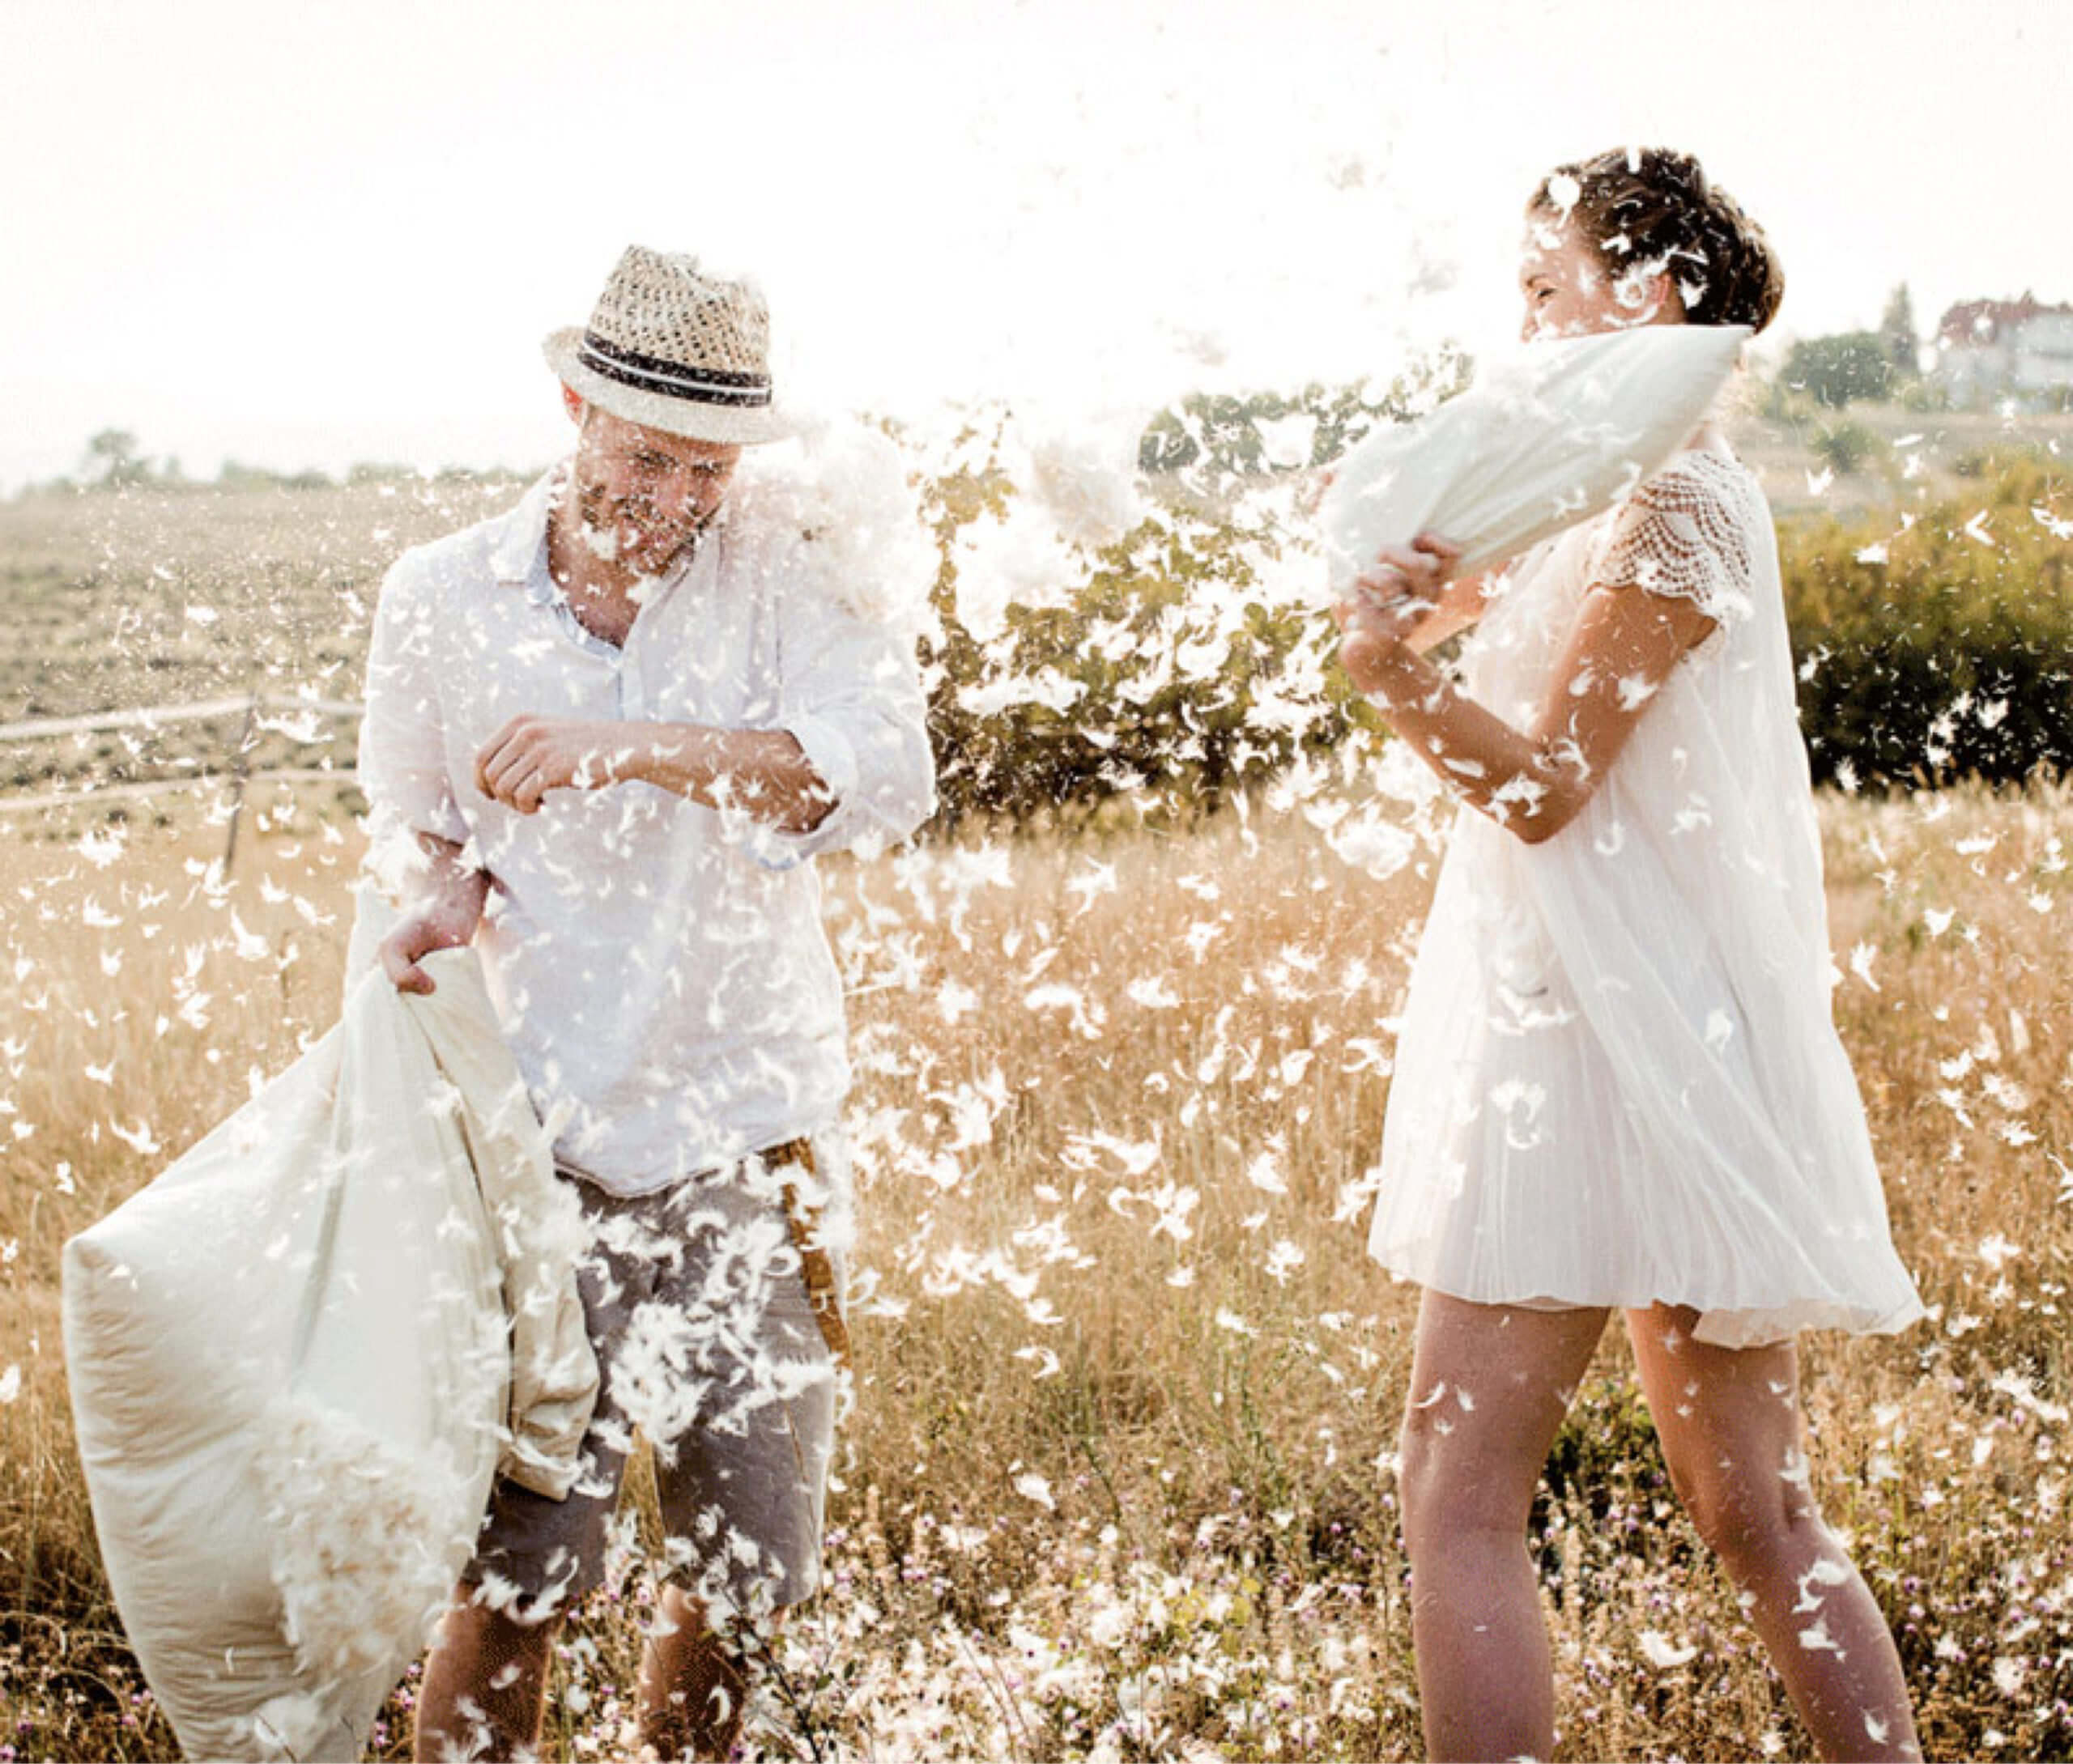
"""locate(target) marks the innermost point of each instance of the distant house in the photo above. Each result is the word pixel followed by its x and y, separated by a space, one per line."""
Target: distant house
pixel 1990 350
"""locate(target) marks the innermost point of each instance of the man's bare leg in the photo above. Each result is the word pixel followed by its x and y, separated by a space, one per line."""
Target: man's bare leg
pixel 693 1689
pixel 485 1685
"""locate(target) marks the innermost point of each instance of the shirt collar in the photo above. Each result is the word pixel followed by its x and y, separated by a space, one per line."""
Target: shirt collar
pixel 521 532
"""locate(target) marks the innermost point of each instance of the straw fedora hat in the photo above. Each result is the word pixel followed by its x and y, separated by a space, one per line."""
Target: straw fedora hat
pixel 673 348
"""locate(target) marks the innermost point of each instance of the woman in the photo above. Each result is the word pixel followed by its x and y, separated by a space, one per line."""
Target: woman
pixel 1618 1083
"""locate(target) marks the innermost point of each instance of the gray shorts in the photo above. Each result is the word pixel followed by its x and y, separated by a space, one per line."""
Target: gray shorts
pixel 715 1307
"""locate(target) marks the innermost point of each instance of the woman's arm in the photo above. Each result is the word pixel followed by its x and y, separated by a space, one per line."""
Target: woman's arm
pixel 1460 605
pixel 1532 783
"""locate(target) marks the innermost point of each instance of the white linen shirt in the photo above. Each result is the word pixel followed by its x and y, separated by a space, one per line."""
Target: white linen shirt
pixel 659 967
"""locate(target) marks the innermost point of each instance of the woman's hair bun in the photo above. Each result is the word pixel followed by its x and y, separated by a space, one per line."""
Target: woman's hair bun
pixel 1655 206
pixel 1680 171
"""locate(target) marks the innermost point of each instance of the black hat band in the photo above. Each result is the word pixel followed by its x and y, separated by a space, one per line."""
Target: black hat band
pixel 672 379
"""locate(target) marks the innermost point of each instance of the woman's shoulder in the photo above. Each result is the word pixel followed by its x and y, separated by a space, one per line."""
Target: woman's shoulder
pixel 1697 476
pixel 1689 530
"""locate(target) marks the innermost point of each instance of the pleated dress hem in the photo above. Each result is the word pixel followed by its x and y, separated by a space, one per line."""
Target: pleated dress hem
pixel 1736 1324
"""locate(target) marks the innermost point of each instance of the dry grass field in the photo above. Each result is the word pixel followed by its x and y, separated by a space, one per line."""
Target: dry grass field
pixel 1118 1482
pixel 158 597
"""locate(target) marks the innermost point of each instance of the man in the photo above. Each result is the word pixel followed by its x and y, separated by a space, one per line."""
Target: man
pixel 605 734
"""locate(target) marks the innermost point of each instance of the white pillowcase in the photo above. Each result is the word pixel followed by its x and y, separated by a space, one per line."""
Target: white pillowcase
pixel 299 1356
pixel 1552 436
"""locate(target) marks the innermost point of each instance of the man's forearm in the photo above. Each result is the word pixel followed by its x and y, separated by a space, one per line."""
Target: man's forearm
pixel 446 886
pixel 765 773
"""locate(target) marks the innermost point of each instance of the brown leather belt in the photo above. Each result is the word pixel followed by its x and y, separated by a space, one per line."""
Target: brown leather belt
pixel 804 1223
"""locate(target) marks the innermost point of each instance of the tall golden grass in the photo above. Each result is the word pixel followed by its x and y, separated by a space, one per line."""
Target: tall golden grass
pixel 1118 1482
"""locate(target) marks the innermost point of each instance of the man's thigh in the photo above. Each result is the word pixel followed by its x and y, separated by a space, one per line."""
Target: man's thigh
pixel 744 1504
pixel 750 1322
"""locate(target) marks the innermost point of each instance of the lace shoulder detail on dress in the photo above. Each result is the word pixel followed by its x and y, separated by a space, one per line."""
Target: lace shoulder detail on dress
pixel 1686 532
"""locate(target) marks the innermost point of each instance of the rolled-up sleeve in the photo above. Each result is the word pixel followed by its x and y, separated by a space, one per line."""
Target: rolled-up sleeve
pixel 851 697
pixel 402 765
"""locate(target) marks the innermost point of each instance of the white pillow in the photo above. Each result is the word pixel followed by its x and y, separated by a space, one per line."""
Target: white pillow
pixel 291 1366
pixel 1545 440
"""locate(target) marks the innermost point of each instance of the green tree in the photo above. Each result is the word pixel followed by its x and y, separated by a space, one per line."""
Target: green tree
pixel 1896 330
pixel 1834 370
pixel 113 461
pixel 1170 677
pixel 1216 434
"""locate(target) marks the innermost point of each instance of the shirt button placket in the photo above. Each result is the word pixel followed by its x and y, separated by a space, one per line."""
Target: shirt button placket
pixel 628 674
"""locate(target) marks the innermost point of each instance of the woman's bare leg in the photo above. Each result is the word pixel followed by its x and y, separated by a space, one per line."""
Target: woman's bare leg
pixel 1729 1422
pixel 1489 1386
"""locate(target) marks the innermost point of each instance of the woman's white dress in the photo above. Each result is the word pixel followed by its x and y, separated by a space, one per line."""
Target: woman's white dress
pixel 1618 1080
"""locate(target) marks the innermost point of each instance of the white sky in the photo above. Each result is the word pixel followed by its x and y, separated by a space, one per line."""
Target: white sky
pixel 311 233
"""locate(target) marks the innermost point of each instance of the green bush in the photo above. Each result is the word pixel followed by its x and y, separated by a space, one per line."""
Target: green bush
pixel 1944 647
pixel 1843 446
pixel 1171 678
pixel 1174 674
pixel 1931 645
pixel 1834 370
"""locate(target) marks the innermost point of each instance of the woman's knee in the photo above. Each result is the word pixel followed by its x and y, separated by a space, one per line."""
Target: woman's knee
pixel 1752 1529
pixel 1419 1485
pixel 1446 1496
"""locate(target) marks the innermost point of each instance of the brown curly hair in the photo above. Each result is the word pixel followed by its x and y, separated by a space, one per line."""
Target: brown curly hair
pixel 1653 209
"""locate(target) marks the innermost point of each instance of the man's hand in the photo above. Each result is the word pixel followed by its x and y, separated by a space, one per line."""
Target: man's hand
pixel 443 905
pixel 532 754
pixel 448 927
pixel 763 771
